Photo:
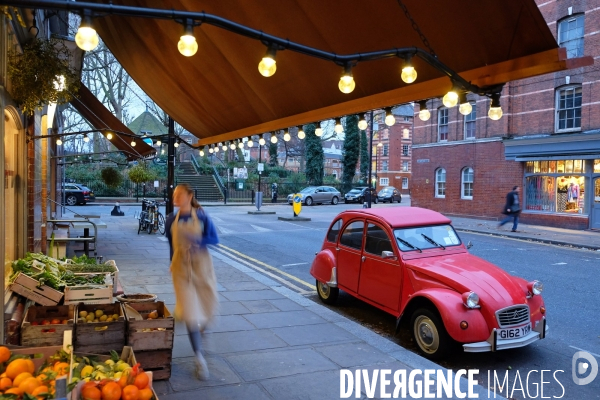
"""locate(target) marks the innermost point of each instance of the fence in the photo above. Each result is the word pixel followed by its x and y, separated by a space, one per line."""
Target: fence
pixel 283 190
pixel 127 189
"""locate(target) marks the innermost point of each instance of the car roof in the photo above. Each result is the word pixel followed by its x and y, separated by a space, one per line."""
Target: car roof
pixel 400 217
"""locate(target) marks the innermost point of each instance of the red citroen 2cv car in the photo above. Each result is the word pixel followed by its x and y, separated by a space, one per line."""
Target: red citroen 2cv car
pixel 411 263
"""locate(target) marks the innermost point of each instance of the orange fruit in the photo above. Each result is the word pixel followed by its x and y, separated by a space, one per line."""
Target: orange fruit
pixel 91 393
pixel 141 380
pixel 130 392
pixel 111 391
pixel 61 368
pixel 14 390
pixel 18 366
pixel 29 385
pixel 145 394
pixel 20 378
pixel 5 383
pixel 4 354
pixel 40 390
pixel 3 375
pixel 123 380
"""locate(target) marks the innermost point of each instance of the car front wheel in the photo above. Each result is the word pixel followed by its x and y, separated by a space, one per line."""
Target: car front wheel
pixel 335 200
pixel 327 294
pixel 429 334
pixel 309 201
pixel 71 200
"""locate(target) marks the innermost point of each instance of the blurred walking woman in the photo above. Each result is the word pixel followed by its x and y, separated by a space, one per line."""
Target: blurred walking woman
pixel 189 231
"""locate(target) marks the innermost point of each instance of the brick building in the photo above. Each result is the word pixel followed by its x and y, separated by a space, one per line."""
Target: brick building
pixel 547 142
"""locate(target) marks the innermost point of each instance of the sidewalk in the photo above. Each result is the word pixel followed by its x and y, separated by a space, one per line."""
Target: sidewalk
pixel 268 341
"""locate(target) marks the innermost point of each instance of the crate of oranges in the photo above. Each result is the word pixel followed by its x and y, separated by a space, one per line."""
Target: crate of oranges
pixel 34 371
pixel 46 325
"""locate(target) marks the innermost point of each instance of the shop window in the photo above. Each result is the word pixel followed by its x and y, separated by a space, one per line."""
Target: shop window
pixel 570 193
pixel 442 124
pixel 470 123
pixel 405 183
pixel 570 35
pixel 540 193
pixel 555 194
pixel 596 165
pixel 440 183
pixel 405 150
pixel 568 109
pixel 467 177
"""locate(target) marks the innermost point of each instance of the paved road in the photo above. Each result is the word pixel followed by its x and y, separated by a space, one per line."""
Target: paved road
pixel 285 250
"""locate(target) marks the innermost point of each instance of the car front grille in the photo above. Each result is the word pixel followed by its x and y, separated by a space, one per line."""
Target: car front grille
pixel 511 316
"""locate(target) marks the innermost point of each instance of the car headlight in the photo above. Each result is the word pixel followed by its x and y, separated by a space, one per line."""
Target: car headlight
pixel 535 287
pixel 470 299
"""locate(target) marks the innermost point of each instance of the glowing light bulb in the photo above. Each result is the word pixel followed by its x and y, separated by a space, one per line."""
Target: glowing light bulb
pixel 176 144
pixel 301 134
pixel 211 150
pixel 319 131
pixel 158 142
pixel 86 139
pixel 268 65
pixel 109 135
pixel 86 38
pixel 187 45
pixel 362 124
pixel 232 146
pixel 250 143
pixel 241 144
pixel 217 149
pixel 201 153
pixel 495 113
pixel 389 117
pixel 346 84
pixel 59 142
pixel 133 143
pixel 338 126
pixel 273 139
pixel 162 151
pixel 450 99
pixel 409 74
pixel 261 141
pixel 286 136
pixel 424 115
pixel 224 147
pixel 465 108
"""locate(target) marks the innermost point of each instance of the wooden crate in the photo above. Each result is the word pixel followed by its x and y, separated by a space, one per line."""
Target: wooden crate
pixel 161 337
pixel 46 335
pixel 90 294
pixel 114 275
pixel 28 287
pixel 157 361
pixel 100 337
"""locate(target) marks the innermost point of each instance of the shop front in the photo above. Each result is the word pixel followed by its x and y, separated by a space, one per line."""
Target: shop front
pixel 560 190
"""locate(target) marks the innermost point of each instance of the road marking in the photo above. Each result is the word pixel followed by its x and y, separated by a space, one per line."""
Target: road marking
pixel 266 266
pixel 577 348
pixel 560 263
pixel 225 231
pixel 260 228
pixel 267 273
pixel 216 218
pixel 289 265
pixel 164 239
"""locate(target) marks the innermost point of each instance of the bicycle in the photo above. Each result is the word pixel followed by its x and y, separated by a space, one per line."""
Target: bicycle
pixel 151 219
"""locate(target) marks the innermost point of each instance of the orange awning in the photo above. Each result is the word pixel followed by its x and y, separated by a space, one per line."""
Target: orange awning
pixel 218 94
pixel 101 118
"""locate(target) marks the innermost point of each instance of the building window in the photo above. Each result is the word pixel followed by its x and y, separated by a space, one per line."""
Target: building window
pixel 386 149
pixel 467 184
pixel 442 124
pixel 470 123
pixel 406 119
pixel 384 165
pixel 384 181
pixel 404 183
pixel 570 35
pixel 440 182
pixel 568 108
pixel 405 150
pixel 405 133
pixel 405 166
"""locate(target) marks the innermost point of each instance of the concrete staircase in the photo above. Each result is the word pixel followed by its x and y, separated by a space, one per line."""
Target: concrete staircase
pixel 205 186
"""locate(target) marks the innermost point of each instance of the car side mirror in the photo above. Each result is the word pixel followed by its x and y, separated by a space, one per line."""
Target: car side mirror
pixel 388 255
pixel 469 244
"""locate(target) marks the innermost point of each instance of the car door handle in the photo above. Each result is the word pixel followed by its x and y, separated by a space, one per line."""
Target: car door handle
pixel 363 258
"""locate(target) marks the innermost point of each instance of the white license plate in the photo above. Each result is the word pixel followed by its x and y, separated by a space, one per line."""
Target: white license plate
pixel 514 333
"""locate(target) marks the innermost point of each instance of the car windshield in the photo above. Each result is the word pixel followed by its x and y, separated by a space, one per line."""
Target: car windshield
pixel 386 190
pixel 308 190
pixel 355 191
pixel 426 237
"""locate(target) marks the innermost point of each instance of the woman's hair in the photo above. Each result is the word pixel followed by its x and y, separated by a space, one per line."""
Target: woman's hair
pixel 188 189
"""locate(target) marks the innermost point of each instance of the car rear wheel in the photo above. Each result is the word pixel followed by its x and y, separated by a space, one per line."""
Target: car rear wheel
pixel 309 201
pixel 71 200
pixel 335 200
pixel 429 334
pixel 327 294
pixel 375 201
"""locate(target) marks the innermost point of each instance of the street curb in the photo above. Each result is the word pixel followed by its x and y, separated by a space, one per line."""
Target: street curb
pixel 386 346
pixel 531 239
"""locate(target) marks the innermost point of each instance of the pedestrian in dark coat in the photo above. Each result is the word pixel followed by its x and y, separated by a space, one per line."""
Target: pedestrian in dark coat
pixel 512 208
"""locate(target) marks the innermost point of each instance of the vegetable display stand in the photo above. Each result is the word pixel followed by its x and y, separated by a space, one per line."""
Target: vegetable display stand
pixel 102 336
pixel 90 294
pixel 152 337
pixel 45 326
pixel 31 289
pixel 109 266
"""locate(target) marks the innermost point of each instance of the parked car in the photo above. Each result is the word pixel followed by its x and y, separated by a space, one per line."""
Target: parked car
pixel 389 193
pixel 358 194
pixel 76 193
pixel 318 194
pixel 411 263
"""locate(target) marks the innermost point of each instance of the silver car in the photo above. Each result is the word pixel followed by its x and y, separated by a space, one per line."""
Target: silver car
pixel 317 195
